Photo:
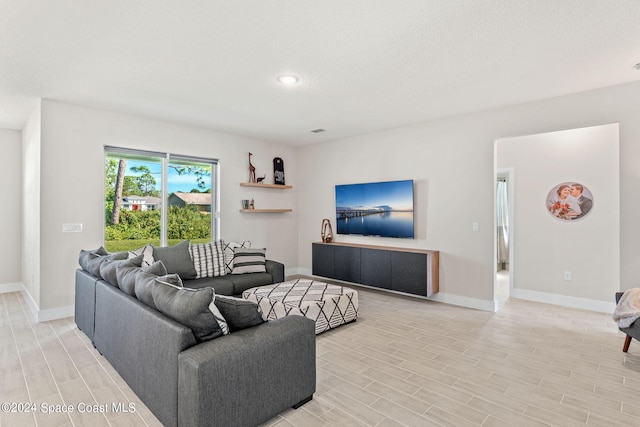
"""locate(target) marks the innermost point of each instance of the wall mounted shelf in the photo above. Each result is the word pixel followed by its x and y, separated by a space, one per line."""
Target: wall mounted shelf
pixel 271 186
pixel 265 210
pixel 255 184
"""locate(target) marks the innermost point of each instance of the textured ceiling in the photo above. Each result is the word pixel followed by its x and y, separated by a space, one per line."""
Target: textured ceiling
pixel 364 65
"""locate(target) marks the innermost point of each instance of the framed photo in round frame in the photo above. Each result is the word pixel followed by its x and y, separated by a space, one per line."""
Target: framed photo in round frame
pixel 569 201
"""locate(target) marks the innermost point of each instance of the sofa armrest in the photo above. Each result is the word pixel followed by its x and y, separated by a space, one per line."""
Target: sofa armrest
pixel 276 269
pixel 247 377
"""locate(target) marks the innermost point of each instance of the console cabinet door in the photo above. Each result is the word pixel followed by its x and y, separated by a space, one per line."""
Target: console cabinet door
pixel 375 268
pixel 347 264
pixel 322 261
pixel 409 273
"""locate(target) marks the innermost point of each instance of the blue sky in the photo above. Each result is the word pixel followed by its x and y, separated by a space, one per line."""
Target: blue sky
pixel 397 194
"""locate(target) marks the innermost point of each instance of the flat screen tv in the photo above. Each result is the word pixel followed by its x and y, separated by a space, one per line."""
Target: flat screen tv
pixel 382 209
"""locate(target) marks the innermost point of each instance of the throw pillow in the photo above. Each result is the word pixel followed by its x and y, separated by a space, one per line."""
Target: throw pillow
pixel 228 248
pixel 145 281
pixel 191 307
pixel 177 259
pixel 208 259
pixel 147 252
pixel 249 261
pixel 239 313
pixel 95 263
pixel 87 255
pixel 127 275
pixel 108 268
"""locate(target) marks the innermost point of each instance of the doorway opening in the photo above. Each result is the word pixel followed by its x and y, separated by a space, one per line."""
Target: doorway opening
pixel 504 261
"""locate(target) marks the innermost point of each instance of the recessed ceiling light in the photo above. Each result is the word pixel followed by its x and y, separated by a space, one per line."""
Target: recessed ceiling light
pixel 637 66
pixel 288 80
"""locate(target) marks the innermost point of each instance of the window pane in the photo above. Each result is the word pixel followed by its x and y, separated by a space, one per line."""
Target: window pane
pixel 190 201
pixel 133 202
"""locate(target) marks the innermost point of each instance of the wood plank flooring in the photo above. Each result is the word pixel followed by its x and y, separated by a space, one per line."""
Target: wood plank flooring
pixel 405 362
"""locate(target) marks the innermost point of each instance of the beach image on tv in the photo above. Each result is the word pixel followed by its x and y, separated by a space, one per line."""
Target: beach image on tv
pixel 375 209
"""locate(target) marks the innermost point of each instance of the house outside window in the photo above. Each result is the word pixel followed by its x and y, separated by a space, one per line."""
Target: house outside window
pixel 158 198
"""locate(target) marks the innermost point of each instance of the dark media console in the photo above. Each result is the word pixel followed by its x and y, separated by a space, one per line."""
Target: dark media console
pixel 410 271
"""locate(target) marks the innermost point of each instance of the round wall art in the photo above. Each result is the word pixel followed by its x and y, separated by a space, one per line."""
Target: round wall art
pixel 569 201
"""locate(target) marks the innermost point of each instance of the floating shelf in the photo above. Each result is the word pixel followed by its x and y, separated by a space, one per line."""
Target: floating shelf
pixel 265 210
pixel 255 184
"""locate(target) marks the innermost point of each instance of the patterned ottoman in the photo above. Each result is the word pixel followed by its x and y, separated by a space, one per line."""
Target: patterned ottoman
pixel 328 305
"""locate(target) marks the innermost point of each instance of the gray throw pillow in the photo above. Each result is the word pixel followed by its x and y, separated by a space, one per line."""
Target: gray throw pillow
pixel 191 307
pixel 177 259
pixel 127 275
pixel 95 263
pixel 108 268
pixel 145 282
pixel 87 255
pixel 239 313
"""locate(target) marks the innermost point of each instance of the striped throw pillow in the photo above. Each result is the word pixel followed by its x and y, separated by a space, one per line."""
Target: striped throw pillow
pixel 208 259
pixel 248 260
pixel 228 252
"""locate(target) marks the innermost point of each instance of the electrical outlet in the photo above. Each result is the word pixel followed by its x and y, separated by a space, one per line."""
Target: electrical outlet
pixel 567 275
pixel 475 227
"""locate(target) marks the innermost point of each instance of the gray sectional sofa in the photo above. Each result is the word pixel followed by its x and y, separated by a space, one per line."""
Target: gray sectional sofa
pixel 240 379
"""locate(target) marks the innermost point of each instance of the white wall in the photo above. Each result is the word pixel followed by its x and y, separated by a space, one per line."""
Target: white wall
pixel 72 186
pixel 11 212
pixel 31 208
pixel 545 247
pixel 453 162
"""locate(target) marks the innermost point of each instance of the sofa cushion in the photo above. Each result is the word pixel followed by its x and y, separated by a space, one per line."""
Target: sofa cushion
pixel 145 281
pixel 222 285
pixel 108 268
pixel 239 313
pixel 87 255
pixel 96 262
pixel 127 275
pixel 191 307
pixel 246 260
pixel 208 259
pixel 147 252
pixel 176 259
pixel 228 248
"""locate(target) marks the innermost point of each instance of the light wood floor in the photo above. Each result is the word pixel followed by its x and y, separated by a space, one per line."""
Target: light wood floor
pixel 405 362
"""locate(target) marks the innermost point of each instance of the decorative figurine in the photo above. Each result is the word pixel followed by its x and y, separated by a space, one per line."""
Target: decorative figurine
pixel 326 232
pixel 261 179
pixel 252 205
pixel 252 170
pixel 278 171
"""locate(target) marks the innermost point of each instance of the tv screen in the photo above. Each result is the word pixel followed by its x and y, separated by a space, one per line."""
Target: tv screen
pixel 382 209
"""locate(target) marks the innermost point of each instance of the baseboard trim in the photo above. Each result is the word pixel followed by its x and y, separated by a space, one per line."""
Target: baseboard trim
pixel 37 314
pixel 55 313
pixel 298 271
pixel 564 300
pixel 10 287
pixel 467 302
